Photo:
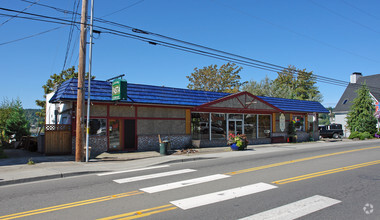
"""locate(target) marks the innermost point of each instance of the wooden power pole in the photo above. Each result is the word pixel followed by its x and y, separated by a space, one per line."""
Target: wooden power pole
pixel 81 87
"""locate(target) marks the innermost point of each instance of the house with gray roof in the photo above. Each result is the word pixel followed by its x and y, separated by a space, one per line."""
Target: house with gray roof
pixel 346 100
pixel 182 116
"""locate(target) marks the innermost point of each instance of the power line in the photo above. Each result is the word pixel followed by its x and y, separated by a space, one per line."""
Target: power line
pixel 297 33
pixel 73 18
pixel 248 62
pixel 136 30
pixel 344 17
pixel 251 62
pixel 129 6
pixel 361 10
pixel 19 13
pixel 34 35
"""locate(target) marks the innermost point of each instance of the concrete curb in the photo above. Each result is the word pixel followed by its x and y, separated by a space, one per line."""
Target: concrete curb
pixel 187 160
pixel 71 174
pixel 47 177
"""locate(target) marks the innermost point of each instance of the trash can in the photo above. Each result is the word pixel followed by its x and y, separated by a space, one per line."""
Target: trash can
pixel 164 147
pixel 163 150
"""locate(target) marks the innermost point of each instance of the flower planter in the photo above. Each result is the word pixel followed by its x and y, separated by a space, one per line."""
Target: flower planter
pixel 237 140
pixel 234 147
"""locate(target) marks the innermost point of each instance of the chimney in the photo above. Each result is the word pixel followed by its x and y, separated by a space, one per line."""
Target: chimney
pixel 355 76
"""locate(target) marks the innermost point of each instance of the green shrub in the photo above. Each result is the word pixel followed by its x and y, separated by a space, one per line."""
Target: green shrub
pixel 365 135
pixel 353 135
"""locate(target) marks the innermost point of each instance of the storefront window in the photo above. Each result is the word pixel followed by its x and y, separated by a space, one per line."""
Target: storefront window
pixel 264 126
pixel 218 126
pixel 98 127
pixel 310 121
pixel 299 122
pixel 199 126
pixel 250 126
pixel 235 116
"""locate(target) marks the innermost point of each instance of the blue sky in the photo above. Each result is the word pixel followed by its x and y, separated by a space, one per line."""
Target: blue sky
pixel 331 38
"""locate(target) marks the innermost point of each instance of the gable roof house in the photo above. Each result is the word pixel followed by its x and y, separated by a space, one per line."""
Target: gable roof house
pixel 183 115
pixel 346 100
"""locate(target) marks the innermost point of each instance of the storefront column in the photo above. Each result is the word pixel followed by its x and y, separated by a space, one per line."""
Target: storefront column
pixel 257 126
pixel 188 121
pixel 242 125
pixel 306 122
pixel 227 125
pixel 209 125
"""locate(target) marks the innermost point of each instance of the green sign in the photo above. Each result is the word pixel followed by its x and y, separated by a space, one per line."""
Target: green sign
pixel 119 90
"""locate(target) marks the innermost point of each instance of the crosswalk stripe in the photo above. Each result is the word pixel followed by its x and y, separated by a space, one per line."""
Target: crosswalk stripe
pixel 210 198
pixel 152 176
pixel 133 170
pixel 296 209
pixel 183 183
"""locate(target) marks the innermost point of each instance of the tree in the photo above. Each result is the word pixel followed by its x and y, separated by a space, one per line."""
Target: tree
pixel 301 83
pixel 211 78
pixel 267 87
pixel 52 83
pixel 6 108
pixel 324 118
pixel 361 116
pixel 17 124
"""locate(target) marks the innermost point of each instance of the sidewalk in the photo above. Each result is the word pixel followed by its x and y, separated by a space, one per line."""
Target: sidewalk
pixel 15 170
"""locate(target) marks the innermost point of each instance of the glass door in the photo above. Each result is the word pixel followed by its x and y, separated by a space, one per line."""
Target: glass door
pixel 235 126
pixel 114 134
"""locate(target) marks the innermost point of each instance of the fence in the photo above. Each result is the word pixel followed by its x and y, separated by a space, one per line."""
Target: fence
pixel 57 139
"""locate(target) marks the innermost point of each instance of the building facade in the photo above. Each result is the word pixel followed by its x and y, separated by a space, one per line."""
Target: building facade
pixel 185 117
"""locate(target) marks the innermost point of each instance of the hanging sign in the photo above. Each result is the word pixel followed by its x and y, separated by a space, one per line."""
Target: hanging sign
pixel 282 122
pixel 119 90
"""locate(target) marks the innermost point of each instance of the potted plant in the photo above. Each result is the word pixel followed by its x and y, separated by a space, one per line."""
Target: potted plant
pixel 237 142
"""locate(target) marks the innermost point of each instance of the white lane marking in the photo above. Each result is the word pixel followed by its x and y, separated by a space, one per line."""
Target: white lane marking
pixel 183 183
pixel 152 176
pixel 134 170
pixel 296 209
pixel 221 196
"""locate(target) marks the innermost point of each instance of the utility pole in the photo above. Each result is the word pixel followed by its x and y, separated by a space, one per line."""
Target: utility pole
pixel 81 89
pixel 89 81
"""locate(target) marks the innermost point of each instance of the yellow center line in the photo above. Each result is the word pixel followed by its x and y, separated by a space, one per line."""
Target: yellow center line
pixel 69 205
pixel 326 172
pixel 142 213
pixel 296 160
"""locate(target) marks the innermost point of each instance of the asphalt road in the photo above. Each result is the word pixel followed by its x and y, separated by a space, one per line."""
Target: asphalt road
pixel 339 182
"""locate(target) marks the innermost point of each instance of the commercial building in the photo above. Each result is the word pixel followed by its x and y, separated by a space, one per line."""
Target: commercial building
pixel 185 117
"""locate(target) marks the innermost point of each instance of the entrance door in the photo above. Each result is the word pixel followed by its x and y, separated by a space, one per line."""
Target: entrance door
pixel 115 139
pixel 122 134
pixel 129 134
pixel 235 126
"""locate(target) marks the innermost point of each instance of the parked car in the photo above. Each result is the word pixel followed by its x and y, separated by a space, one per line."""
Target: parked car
pixel 215 128
pixel 331 131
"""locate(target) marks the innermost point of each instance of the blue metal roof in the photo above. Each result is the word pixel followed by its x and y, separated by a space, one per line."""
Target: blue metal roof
pixel 147 94
pixel 294 105
pixel 137 93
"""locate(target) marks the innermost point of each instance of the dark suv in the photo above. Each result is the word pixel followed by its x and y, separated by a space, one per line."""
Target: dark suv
pixel 331 131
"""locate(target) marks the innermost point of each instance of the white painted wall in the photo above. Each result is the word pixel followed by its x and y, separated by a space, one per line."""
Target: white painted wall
pixel 64 113
pixel 340 118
